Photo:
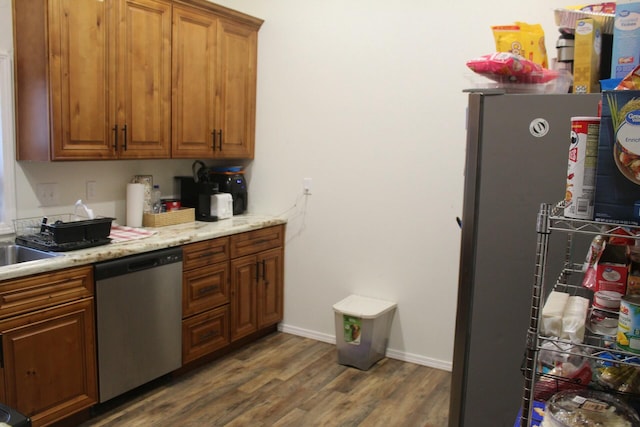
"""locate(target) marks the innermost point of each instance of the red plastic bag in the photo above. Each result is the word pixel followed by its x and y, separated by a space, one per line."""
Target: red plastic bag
pixel 507 67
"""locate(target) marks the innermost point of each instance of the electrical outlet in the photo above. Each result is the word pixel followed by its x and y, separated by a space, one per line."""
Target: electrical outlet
pixel 91 191
pixel 306 186
pixel 47 194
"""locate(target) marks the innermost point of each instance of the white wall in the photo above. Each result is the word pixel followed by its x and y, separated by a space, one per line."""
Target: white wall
pixel 365 97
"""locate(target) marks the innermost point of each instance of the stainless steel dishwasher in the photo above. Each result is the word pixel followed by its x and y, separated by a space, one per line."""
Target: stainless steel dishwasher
pixel 138 319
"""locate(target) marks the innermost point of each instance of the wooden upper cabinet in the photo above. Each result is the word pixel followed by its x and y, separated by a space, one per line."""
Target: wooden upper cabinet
pixel 214 75
pixel 237 45
pixel 82 109
pixel 194 83
pixel 63 74
pixel 144 79
pixel 108 79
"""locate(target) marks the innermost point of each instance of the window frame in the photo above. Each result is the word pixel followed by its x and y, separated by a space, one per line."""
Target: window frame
pixel 7 145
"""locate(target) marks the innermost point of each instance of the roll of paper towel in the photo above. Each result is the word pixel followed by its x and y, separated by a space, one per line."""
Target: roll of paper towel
pixel 135 204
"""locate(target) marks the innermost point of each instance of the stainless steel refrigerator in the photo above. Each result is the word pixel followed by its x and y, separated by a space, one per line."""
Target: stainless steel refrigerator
pixel 517 154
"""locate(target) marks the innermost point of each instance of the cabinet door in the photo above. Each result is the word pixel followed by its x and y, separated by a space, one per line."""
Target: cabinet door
pixel 205 333
pixel 244 277
pixel 81 74
pixel 49 367
pixel 144 79
pixel 205 288
pixel 194 81
pixel 237 45
pixel 270 287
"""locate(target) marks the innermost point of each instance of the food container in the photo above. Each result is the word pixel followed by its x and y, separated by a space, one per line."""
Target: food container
pixel 628 337
pixel 608 300
pixel 588 408
pixel 581 169
pixel 171 205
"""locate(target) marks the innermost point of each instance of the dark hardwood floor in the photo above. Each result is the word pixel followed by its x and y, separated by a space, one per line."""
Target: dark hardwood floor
pixel 286 380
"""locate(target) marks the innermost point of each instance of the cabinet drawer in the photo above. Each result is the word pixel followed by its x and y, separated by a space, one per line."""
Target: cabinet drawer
pixel 257 241
pixel 205 288
pixel 205 253
pixel 205 333
pixel 45 290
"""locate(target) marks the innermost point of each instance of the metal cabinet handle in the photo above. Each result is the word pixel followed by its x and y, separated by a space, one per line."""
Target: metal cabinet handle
pixel 207 289
pixel 124 131
pixel 208 335
pixel 220 139
pixel 213 140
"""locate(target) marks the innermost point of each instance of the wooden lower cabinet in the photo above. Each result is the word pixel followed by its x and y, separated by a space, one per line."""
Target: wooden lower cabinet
pixel 232 287
pixel 49 362
pixel 205 298
pixel 257 282
pixel 205 333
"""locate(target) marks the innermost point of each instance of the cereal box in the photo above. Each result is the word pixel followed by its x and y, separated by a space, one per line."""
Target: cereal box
pixel 617 196
pixel 626 38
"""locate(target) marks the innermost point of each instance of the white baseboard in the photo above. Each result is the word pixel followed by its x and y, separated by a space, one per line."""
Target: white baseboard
pixel 391 353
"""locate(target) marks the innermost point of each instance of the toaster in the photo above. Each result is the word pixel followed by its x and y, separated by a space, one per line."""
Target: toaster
pixel 221 205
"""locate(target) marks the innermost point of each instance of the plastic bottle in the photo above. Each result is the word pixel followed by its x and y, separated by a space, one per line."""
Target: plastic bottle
pixel 156 204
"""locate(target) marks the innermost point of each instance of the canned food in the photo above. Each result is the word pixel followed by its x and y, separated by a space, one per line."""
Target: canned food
pixel 581 169
pixel 628 337
pixel 172 205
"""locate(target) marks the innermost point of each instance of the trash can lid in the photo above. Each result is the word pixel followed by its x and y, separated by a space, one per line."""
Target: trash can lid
pixel 363 307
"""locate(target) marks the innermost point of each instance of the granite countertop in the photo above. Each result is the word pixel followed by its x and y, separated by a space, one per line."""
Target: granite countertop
pixel 173 235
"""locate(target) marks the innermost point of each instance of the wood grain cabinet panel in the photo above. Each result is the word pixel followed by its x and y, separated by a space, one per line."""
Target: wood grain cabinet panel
pixel 48 368
pixel 256 241
pixel 205 298
pixel 205 333
pixel 93 79
pixel 244 304
pixel 257 280
pixel 214 85
pixel 205 253
pixel 246 280
pixel 144 79
pixel 205 288
pixel 27 294
pixel 195 77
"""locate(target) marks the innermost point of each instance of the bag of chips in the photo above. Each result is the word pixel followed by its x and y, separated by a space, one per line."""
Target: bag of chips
pixel 505 67
pixel 522 39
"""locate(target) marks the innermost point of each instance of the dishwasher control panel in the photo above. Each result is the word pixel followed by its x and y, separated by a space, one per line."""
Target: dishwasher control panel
pixel 139 262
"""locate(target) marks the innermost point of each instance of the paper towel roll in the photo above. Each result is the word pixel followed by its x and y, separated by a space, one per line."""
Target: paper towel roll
pixel 135 204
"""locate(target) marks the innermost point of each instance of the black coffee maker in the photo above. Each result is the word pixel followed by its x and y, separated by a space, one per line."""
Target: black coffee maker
pixel 235 184
pixel 195 191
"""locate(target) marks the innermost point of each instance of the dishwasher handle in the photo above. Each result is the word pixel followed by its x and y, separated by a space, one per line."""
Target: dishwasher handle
pixel 142 265
pixel 135 263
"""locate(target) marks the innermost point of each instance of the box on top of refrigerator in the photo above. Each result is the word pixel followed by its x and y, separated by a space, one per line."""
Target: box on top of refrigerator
pixel 587 52
pixel 617 197
pixel 626 38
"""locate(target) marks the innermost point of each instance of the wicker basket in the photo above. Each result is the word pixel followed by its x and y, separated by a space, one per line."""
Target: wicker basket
pixel 169 218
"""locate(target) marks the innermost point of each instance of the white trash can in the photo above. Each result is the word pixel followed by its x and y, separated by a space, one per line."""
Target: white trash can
pixel 362 330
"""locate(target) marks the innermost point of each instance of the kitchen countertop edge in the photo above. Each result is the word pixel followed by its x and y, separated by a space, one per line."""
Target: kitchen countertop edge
pixel 164 237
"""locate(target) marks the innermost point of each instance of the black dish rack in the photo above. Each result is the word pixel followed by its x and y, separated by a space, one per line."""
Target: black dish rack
pixel 59 233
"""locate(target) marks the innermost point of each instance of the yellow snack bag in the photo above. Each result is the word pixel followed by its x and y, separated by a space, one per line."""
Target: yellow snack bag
pixel 526 40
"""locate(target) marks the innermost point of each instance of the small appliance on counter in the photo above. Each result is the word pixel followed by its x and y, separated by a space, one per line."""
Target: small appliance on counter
pixel 205 191
pixel 234 184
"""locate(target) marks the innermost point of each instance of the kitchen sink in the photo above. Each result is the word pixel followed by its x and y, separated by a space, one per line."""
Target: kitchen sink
pixel 13 254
